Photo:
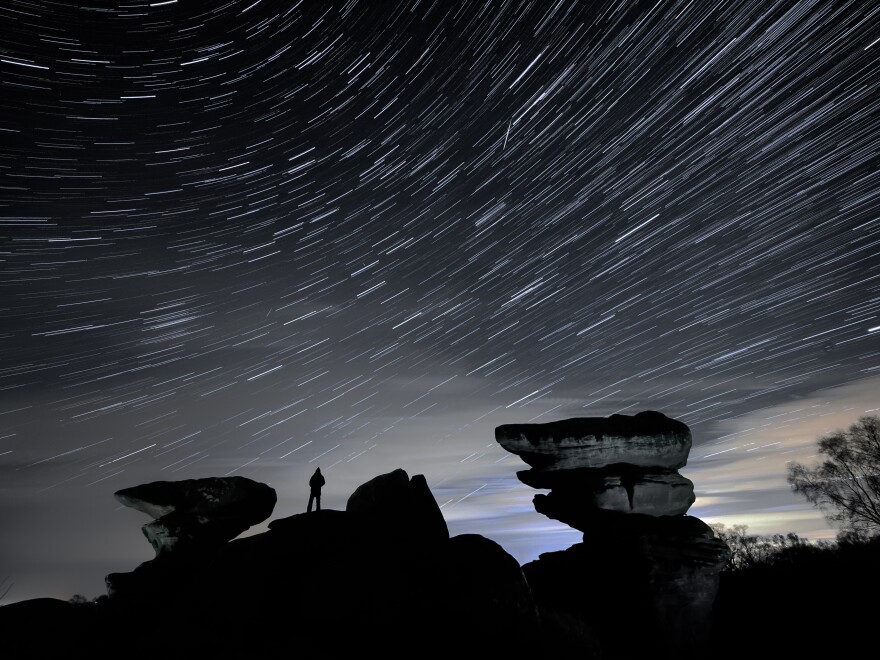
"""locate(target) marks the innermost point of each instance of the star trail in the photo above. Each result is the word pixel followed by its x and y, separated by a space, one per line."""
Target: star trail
pixel 258 237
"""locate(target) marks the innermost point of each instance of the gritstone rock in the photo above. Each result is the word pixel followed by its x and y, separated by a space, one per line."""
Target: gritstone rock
pixel 648 439
pixel 653 569
pixel 576 493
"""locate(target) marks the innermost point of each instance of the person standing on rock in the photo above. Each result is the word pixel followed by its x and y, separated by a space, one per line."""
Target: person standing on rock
pixel 315 484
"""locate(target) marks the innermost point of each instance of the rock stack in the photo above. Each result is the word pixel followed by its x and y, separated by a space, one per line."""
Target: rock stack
pixel 644 565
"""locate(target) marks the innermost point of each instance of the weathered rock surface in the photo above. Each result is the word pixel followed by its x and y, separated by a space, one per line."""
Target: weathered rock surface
pixel 208 511
pixel 577 494
pixel 322 584
pixel 651 570
pixel 648 439
pixel 382 492
pixel 654 581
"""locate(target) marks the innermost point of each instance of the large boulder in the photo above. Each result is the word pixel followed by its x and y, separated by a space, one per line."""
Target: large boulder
pixel 384 492
pixel 647 439
pixel 401 505
pixel 199 512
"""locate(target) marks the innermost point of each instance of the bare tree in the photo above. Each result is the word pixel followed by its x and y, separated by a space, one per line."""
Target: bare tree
pixel 846 485
pixel 4 588
pixel 749 550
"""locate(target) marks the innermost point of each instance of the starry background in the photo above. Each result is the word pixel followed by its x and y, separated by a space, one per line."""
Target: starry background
pixel 258 237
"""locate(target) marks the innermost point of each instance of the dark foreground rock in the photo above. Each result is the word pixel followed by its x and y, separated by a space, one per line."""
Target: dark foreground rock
pixel 323 584
pixel 576 493
pixel 47 628
pixel 399 505
pixel 645 585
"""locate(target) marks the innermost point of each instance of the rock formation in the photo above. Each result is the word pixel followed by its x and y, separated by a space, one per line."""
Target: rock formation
pixel 198 511
pixel 576 494
pixel 400 505
pixel 382 577
pixel 645 577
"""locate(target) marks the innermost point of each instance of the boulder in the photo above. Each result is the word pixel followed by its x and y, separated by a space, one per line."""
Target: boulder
pixel 647 439
pixel 342 583
pixel 383 492
pixel 199 512
pixel 400 505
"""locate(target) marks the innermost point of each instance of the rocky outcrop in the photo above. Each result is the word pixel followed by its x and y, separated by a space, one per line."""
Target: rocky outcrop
pixel 642 589
pixel 576 494
pixel 651 571
pixel 382 577
pixel 385 577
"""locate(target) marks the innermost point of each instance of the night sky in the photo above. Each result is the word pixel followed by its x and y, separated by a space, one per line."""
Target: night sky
pixel 258 237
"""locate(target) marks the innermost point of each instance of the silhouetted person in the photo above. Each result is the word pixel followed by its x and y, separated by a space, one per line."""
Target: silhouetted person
pixel 315 484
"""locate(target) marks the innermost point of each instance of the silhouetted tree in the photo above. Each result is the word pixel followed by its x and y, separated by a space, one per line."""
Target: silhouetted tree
pixel 748 550
pixel 5 586
pixel 852 537
pixel 846 485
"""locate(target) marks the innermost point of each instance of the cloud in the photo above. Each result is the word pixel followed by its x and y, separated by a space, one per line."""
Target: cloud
pixel 740 475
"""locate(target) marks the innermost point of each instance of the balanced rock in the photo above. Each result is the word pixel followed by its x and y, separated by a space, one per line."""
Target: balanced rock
pixel 199 512
pixel 648 439
pixel 654 570
pixel 654 581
